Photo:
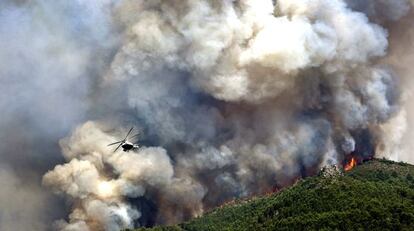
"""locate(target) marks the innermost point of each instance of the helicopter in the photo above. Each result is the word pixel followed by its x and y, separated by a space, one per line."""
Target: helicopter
pixel 125 144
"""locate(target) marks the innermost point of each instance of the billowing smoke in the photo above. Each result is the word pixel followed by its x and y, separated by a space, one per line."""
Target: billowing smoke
pixel 231 98
pixel 50 53
pixel 397 133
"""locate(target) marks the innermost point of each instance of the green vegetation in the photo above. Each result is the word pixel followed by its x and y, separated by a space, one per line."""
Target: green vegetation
pixel 378 195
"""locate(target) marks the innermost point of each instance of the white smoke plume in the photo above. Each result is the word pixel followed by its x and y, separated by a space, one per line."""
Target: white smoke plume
pixel 231 99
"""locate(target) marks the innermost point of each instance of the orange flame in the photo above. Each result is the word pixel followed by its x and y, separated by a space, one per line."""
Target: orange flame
pixel 351 164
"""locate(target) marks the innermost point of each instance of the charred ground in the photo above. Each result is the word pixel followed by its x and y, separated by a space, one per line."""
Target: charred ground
pixel 377 195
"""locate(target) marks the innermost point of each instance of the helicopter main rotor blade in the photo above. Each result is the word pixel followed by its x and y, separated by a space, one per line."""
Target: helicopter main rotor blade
pixel 115 143
pixel 130 130
pixel 134 136
pixel 117 147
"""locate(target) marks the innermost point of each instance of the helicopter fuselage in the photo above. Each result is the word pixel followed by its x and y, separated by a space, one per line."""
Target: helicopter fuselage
pixel 127 146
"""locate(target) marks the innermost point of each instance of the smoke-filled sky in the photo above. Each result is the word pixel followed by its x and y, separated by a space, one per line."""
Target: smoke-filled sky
pixel 232 98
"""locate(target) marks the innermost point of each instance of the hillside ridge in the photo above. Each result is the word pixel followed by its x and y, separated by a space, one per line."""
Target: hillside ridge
pixel 376 195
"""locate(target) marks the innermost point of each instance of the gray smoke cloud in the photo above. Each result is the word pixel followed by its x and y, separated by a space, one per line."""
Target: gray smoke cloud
pixel 50 53
pixel 231 98
pixel 381 11
pixel 397 133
